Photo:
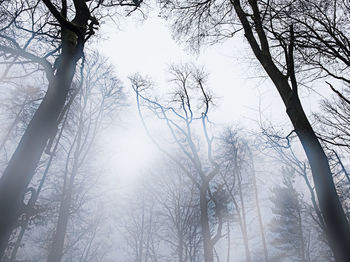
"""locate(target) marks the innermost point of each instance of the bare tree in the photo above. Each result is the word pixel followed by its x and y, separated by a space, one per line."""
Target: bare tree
pixel 180 117
pixel 239 178
pixel 49 36
pixel 258 205
pixel 284 153
pixel 141 225
pixel 233 173
pixel 178 207
pixel 332 129
pixel 320 40
pixel 162 217
pixel 100 95
pixel 276 56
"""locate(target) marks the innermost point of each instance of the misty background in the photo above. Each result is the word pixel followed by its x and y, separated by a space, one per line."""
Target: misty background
pixel 168 139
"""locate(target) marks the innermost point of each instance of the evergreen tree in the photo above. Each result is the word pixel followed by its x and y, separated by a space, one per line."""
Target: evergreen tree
pixel 287 223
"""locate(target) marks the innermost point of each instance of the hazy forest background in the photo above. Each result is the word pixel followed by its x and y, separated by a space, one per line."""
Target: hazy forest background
pixel 173 130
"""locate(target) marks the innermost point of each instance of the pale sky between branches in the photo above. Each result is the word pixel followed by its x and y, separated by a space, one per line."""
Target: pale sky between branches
pixel 235 79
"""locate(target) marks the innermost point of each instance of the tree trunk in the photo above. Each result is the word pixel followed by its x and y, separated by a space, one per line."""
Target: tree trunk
pixel 257 202
pixel 36 196
pixel 57 247
pixel 207 243
pixel 228 241
pixel 337 226
pixel 241 224
pixel 180 248
pixel 301 235
pixel 22 165
pixel 244 221
pixel 18 241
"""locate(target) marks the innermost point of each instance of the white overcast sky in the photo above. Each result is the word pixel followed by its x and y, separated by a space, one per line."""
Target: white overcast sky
pixel 148 48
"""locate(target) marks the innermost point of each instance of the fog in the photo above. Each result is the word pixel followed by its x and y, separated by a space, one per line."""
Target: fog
pixel 188 131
